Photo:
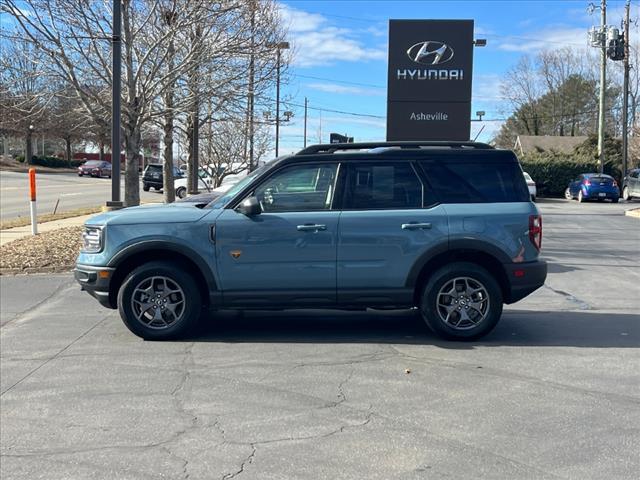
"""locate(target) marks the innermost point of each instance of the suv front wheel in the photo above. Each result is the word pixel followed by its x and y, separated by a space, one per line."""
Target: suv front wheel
pixel 159 301
pixel 461 301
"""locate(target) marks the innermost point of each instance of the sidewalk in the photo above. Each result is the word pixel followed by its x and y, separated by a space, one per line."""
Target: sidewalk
pixel 10 234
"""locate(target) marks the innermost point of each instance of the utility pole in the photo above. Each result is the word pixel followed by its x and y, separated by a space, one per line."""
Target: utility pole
pixel 625 94
pixel 277 99
pixel 603 80
pixel 251 83
pixel 305 121
pixel 116 45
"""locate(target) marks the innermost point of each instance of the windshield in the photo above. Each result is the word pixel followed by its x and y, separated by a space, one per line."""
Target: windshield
pixel 233 191
pixel 92 163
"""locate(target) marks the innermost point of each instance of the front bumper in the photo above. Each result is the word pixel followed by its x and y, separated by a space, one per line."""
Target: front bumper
pixel 95 281
pixel 524 278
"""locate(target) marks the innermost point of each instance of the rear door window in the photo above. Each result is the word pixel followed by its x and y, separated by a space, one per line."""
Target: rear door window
pixel 375 186
pixel 477 182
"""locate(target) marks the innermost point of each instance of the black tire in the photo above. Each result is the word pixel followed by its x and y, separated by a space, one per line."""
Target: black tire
pixel 431 310
pixel 533 198
pixel 145 187
pixel 567 194
pixel 615 200
pixel 189 312
pixel 181 192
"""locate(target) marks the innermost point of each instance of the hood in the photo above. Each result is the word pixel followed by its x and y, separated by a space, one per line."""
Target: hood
pixel 151 213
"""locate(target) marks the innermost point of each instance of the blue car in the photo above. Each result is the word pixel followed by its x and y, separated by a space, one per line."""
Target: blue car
pixel 447 228
pixel 593 186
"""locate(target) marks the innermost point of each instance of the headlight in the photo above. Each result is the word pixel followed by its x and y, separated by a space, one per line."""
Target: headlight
pixel 92 239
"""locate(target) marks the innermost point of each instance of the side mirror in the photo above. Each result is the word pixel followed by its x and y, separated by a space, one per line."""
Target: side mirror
pixel 249 207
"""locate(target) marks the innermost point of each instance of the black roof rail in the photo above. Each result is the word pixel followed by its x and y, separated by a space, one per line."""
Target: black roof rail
pixel 334 147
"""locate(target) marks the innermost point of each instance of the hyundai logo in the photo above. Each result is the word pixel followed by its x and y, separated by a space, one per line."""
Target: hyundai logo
pixel 430 53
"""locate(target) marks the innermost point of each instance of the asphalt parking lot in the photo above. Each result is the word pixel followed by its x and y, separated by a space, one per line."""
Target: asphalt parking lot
pixel 553 392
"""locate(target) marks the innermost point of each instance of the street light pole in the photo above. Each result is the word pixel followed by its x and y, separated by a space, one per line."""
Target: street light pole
pixel 278 46
pixel 28 153
pixel 116 43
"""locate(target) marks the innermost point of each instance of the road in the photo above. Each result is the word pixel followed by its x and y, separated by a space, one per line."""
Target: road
pixel 551 393
pixel 72 191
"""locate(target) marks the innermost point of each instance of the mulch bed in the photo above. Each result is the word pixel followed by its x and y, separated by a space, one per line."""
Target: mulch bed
pixel 54 251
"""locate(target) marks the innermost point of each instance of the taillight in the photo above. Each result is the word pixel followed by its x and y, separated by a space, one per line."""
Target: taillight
pixel 615 184
pixel 535 230
pixel 587 183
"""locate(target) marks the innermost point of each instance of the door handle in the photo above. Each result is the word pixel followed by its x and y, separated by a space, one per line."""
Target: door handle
pixel 311 227
pixel 416 226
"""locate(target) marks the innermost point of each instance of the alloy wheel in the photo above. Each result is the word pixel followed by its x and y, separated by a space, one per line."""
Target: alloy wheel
pixel 158 302
pixel 463 303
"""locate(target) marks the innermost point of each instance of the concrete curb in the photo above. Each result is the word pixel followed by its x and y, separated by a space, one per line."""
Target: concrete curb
pixel 634 212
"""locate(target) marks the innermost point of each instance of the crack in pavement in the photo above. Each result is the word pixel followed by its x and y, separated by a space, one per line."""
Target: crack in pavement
pixel 519 377
pixel 582 305
pixel 247 461
pixel 32 310
pixel 34 370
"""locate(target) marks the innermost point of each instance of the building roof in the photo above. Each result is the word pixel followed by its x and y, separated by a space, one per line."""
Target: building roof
pixel 532 143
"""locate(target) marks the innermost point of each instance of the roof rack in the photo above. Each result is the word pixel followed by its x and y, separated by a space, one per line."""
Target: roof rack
pixel 334 147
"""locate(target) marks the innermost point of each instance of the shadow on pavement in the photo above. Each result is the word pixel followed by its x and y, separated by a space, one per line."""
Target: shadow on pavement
pixel 525 328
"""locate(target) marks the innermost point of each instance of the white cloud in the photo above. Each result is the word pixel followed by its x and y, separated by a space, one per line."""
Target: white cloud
pixel 316 42
pixel 544 39
pixel 347 90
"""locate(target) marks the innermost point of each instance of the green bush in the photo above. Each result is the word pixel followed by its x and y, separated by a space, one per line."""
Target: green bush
pixel 55 162
pixel 552 172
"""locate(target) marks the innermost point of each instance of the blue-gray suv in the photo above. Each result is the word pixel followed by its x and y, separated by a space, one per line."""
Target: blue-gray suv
pixel 444 227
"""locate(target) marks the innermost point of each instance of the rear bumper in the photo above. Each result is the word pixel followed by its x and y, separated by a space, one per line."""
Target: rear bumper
pixel 524 279
pixel 94 282
pixel 152 182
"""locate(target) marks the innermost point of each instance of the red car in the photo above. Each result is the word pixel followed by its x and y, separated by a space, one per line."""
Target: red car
pixel 95 168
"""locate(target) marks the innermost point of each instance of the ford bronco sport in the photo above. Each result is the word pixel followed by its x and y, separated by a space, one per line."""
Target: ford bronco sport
pixel 446 227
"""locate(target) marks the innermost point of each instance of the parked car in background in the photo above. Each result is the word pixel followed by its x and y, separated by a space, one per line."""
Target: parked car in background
pixel 152 176
pixel 205 182
pixel 87 167
pixel 531 185
pixel 347 226
pixel 631 185
pixel 593 186
pixel 102 170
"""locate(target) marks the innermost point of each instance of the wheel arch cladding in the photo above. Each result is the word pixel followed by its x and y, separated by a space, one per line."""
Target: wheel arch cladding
pixel 425 267
pixel 139 254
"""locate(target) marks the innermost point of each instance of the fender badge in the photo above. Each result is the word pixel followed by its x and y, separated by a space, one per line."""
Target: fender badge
pixel 235 253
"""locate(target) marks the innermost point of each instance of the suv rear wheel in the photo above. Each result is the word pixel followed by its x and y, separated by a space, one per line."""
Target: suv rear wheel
pixel 159 301
pixel 461 301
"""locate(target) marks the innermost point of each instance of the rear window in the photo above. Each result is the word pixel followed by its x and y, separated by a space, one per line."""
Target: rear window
pixel 92 163
pixel 154 168
pixel 601 179
pixel 477 182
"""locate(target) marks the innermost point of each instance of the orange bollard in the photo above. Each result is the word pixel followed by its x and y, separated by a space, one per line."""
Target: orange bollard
pixel 32 203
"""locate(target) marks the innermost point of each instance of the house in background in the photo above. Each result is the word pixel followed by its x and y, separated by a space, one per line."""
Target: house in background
pixel 546 143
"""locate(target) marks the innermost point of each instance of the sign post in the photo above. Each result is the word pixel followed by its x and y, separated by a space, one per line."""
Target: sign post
pixel 429 80
pixel 32 202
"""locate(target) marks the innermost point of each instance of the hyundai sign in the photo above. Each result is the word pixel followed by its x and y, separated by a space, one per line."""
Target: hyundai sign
pixel 429 84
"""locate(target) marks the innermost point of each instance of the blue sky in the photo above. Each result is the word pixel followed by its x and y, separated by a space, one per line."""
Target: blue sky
pixel 339 53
